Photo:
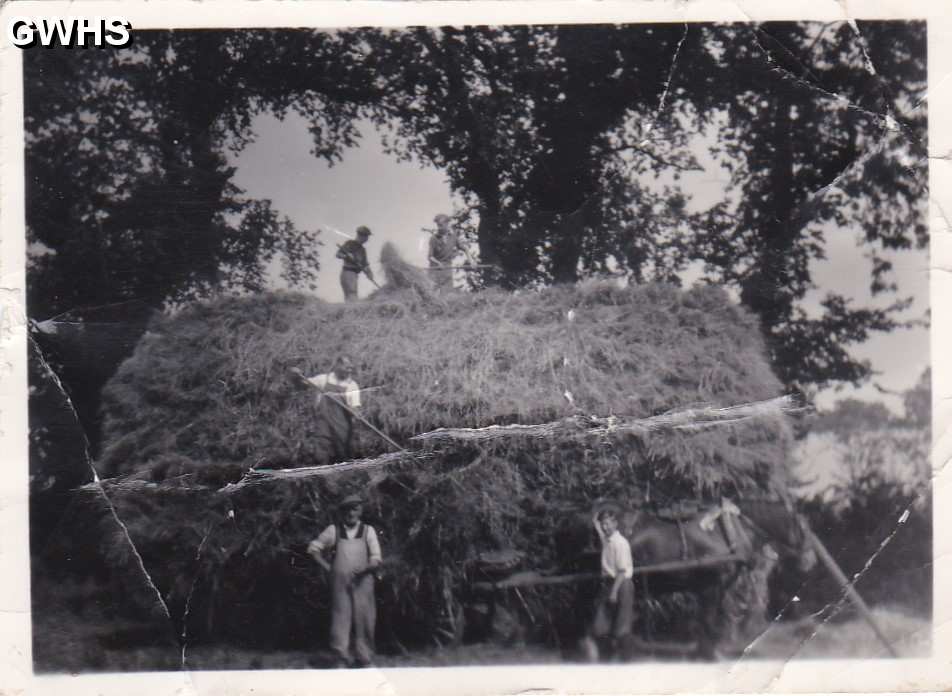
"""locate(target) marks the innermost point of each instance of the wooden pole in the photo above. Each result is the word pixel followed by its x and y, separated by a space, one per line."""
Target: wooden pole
pixel 531 578
pixel 851 592
pixel 364 271
pixel 363 420
pixel 463 267
pixel 352 412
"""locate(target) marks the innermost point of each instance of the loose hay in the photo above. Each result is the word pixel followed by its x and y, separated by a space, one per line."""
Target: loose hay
pixel 401 275
pixel 207 396
pixel 212 383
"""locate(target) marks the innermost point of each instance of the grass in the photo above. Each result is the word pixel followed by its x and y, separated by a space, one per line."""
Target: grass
pixel 848 637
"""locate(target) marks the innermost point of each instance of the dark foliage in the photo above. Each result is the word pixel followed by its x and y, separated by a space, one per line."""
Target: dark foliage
pixel 567 143
pixel 898 574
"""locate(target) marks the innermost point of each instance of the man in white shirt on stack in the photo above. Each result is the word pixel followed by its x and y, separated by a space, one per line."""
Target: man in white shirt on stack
pixel 335 424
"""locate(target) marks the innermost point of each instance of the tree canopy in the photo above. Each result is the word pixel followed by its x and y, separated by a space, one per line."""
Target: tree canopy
pixel 530 124
pixel 129 192
pixel 569 145
pixel 826 136
pixel 558 136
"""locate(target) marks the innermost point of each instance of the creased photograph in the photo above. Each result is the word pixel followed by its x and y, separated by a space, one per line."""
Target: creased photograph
pixel 576 345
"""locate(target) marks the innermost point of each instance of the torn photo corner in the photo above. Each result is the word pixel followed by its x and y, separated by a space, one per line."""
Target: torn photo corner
pixel 494 347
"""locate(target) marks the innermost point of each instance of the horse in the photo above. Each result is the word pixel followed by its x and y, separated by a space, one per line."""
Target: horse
pixel 752 539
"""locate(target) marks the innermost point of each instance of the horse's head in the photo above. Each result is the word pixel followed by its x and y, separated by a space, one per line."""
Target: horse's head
pixel 784 529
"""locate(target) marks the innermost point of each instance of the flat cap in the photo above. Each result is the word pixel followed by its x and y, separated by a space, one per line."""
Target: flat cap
pixel 351 501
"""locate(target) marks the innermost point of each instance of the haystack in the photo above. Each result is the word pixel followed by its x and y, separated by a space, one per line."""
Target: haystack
pixel 402 275
pixel 207 395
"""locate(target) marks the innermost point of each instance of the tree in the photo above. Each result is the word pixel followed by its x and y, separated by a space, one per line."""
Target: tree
pixel 557 137
pixel 129 194
pixel 861 446
pixel 567 142
pixel 870 496
pixel 533 126
pixel 917 404
pixel 130 201
pixel 825 133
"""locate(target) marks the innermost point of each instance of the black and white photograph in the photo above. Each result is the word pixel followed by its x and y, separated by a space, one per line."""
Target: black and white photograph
pixel 562 344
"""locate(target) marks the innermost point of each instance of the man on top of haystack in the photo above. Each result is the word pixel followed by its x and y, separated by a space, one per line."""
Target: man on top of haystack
pixel 354 256
pixel 356 560
pixel 335 423
pixel 444 245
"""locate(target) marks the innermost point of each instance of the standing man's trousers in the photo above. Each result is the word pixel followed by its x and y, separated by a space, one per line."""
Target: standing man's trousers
pixel 614 619
pixel 348 282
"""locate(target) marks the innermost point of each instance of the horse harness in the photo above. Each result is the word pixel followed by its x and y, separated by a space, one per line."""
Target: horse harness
pixel 684 539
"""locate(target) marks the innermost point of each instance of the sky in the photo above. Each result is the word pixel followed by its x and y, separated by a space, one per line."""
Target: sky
pixel 397 200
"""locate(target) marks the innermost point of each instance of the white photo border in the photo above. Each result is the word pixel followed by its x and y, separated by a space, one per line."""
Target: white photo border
pixel 749 676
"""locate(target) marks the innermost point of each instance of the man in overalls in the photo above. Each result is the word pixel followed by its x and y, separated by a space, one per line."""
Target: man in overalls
pixel 353 606
pixel 335 425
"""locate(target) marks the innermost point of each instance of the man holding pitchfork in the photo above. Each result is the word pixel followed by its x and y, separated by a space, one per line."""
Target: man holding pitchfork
pixel 335 424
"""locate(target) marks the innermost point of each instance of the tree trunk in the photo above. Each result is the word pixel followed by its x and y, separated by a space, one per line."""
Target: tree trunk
pixel 487 240
pixel 567 245
pixel 767 290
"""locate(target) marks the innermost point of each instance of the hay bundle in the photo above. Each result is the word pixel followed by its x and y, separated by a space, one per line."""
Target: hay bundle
pixel 208 388
pixel 401 275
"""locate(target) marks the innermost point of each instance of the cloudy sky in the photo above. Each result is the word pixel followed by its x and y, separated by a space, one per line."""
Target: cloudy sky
pixel 398 199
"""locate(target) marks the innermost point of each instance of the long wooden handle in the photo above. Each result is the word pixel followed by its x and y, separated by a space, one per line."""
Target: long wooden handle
pixel 363 420
pixel 352 412
pixel 851 592
pixel 353 260
pixel 532 578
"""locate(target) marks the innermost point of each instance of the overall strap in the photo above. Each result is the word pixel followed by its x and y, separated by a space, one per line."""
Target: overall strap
pixel 342 534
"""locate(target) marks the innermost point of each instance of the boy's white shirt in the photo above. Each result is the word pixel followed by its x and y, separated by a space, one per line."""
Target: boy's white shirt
pixel 351 390
pixel 616 556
